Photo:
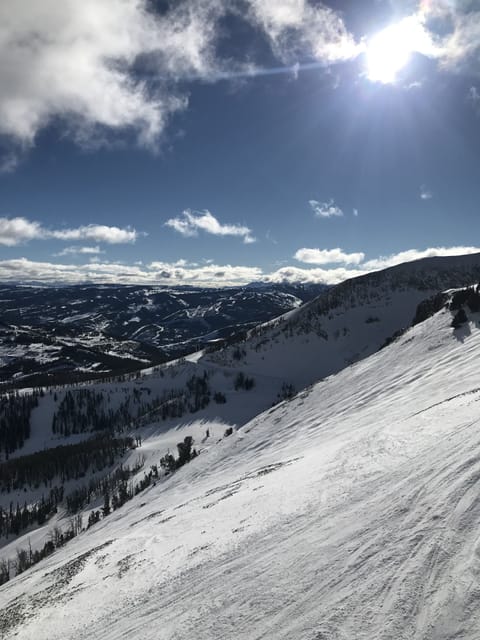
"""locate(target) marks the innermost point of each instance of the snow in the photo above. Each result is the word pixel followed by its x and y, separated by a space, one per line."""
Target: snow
pixel 338 339
pixel 348 513
pixel 346 323
pixel 72 318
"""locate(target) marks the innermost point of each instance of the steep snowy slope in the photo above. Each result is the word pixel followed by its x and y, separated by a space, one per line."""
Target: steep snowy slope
pixel 346 323
pixel 350 512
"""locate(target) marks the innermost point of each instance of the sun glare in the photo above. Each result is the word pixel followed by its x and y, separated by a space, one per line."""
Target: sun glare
pixel 390 50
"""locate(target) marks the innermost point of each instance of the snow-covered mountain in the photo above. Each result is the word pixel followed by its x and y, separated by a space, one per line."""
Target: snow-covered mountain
pixel 348 512
pixel 58 334
pixel 346 323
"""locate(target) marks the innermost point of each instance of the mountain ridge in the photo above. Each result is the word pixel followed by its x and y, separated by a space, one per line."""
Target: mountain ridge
pixel 347 322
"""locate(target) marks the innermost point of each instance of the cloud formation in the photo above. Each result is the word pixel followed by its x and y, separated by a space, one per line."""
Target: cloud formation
pixel 474 98
pixel 339 274
pixel 462 45
pixel 84 63
pixel 297 27
pixel 191 222
pixel 415 254
pixel 332 256
pixel 451 32
pixel 325 209
pixel 177 273
pixel 328 256
pixel 76 60
pixel 96 233
pixel 73 251
pixel 425 193
pixel 474 94
pixel 205 275
pixel 15 231
pixel 8 162
pixel 315 276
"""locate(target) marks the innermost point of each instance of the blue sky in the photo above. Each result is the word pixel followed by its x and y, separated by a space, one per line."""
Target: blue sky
pixel 213 142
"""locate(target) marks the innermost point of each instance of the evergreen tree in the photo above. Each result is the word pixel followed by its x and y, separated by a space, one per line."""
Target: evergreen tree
pixel 106 503
pixel 459 319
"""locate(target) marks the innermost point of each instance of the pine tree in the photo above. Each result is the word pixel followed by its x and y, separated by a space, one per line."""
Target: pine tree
pixel 459 319
pixel 106 503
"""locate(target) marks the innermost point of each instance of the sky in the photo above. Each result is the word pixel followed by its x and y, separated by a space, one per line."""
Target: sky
pixel 220 142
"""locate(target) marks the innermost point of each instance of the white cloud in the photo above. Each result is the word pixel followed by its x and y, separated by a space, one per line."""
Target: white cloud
pixel 320 276
pixel 328 256
pixel 417 84
pixel 9 162
pixel 14 231
pixel 96 233
pixel 463 44
pixel 78 61
pixel 415 254
pixel 71 251
pixel 339 274
pixel 425 193
pixel 206 275
pixel 24 270
pixel 474 94
pixel 454 30
pixel 474 98
pixel 355 213
pixel 325 209
pixel 191 222
pixel 270 238
pixel 298 26
pixel 75 60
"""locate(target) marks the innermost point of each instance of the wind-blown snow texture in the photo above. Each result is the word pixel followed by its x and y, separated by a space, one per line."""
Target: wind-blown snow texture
pixel 350 512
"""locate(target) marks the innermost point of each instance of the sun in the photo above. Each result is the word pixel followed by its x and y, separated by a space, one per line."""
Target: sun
pixel 387 53
pixel 390 50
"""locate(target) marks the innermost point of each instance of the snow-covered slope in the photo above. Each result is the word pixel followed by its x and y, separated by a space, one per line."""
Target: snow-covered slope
pixel 346 323
pixel 348 513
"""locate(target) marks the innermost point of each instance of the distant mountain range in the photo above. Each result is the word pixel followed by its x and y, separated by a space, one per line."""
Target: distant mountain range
pixel 50 334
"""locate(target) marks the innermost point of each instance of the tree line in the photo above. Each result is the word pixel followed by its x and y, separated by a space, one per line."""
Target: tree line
pixel 15 414
pixel 67 462
pixel 82 496
pixel 28 557
pixel 16 519
pixel 86 410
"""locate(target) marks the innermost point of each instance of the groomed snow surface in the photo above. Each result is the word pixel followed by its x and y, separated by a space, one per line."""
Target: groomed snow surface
pixel 351 512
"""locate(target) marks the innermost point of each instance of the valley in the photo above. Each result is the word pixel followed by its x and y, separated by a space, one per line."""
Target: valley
pixel 51 335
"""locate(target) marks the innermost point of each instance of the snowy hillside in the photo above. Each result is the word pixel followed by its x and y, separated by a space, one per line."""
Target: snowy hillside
pixel 350 512
pixel 83 441
pixel 346 323
pixel 69 441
